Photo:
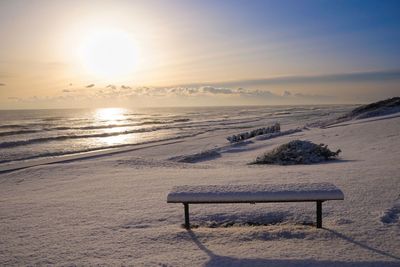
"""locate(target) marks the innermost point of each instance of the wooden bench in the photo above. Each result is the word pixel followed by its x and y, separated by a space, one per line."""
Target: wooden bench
pixel 255 193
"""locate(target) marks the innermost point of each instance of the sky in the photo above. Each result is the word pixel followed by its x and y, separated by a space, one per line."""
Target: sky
pixel 61 54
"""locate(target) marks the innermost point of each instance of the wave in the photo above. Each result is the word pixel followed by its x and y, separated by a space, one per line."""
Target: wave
pixel 282 113
pixel 181 120
pixel 18 132
pixel 53 119
pixel 11 144
pixel 21 126
pixel 108 126
pixel 10 126
pixel 45 126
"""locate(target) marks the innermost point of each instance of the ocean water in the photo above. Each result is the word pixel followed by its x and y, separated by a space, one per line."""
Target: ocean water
pixel 34 134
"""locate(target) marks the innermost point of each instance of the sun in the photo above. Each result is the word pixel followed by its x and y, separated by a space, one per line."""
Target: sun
pixel 108 53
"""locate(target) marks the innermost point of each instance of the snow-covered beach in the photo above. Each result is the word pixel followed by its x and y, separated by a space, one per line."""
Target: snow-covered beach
pixel 112 210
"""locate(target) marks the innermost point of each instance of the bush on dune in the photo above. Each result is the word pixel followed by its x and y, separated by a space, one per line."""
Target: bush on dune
pixel 276 128
pixel 297 152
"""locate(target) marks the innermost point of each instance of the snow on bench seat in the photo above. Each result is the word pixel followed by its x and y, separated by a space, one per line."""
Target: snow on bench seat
pixel 254 193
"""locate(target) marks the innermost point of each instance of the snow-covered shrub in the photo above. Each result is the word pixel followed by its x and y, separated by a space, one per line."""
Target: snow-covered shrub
pixel 243 136
pixel 297 152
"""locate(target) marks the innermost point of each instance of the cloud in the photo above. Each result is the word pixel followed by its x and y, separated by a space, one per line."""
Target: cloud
pixel 352 77
pixel 258 93
pixel 90 85
pixel 5 74
pixel 202 94
pixel 70 90
pixel 2 84
pixel 315 97
pixel 13 98
pixel 214 90
pixel 228 92
pixel 286 93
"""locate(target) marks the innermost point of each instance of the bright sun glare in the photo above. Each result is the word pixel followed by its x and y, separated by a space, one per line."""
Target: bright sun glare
pixel 111 115
pixel 109 53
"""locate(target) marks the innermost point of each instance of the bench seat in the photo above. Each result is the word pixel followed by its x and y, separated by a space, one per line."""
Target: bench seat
pixel 254 193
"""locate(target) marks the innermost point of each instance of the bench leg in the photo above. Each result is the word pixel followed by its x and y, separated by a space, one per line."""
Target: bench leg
pixel 319 214
pixel 187 223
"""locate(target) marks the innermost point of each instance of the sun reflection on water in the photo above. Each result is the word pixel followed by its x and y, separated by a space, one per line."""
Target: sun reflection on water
pixel 109 115
pixel 113 116
pixel 117 139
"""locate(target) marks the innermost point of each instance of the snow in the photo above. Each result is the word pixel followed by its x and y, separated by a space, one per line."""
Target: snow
pixel 255 192
pixel 112 210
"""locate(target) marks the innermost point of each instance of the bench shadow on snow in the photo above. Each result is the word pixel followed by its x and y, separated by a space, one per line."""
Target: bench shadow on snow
pixel 216 260
pixel 223 220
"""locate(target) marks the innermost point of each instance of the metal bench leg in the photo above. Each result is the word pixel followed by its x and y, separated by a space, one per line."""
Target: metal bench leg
pixel 319 214
pixel 187 223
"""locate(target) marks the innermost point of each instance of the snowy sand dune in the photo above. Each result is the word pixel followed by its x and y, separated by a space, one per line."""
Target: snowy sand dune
pixel 112 210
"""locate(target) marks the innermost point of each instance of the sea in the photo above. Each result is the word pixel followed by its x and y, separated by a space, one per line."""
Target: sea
pixel 27 135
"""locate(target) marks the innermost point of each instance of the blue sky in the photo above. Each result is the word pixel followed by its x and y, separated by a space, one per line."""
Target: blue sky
pixel 366 31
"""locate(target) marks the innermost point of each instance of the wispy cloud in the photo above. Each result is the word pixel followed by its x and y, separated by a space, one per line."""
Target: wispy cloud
pixel 2 84
pixel 353 77
pixel 213 90
pixel 69 90
pixel 90 85
pixel 13 98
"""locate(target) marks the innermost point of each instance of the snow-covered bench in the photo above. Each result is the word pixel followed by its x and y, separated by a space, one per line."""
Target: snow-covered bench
pixel 255 193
